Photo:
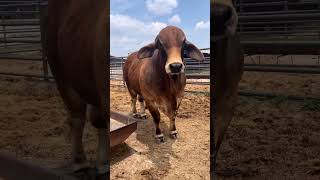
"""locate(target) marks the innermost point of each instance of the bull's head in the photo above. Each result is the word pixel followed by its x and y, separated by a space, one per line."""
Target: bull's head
pixel 224 18
pixel 172 43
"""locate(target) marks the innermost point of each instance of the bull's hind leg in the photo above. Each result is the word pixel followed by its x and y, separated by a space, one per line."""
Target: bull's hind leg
pixel 142 114
pixel 133 95
pixel 156 118
pixel 100 123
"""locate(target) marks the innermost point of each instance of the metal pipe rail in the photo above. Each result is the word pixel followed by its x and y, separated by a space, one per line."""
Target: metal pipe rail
pixel 273 17
pixel 275 21
pixel 22 58
pixel 283 65
pixel 278 12
pixel 299 70
pixel 281 47
pixel 20 41
pixel 273 95
pixel 279 3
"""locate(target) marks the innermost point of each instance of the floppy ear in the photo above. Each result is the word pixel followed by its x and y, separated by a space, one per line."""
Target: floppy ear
pixel 146 51
pixel 193 51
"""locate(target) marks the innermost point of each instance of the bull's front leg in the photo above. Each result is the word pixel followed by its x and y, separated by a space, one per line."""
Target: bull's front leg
pixel 172 114
pixel 173 130
pixel 156 118
pixel 76 123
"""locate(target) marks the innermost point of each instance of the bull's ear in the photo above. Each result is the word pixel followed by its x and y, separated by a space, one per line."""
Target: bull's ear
pixel 193 51
pixel 146 51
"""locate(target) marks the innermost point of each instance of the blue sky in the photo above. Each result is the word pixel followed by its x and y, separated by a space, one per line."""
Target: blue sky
pixel 135 23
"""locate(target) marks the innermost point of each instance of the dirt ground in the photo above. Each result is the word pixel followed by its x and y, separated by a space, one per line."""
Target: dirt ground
pixel 273 138
pixel 185 158
pixel 32 123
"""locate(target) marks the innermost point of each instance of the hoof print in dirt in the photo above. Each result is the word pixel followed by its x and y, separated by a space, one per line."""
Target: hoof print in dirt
pixel 159 138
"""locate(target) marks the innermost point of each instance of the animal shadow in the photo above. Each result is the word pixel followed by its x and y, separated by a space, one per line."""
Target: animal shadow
pixel 159 153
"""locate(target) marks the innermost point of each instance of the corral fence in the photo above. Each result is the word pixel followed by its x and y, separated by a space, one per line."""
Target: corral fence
pixel 284 30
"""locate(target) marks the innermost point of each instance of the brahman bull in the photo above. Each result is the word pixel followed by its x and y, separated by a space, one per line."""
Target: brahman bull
pixel 76 43
pixel 156 74
pixel 228 66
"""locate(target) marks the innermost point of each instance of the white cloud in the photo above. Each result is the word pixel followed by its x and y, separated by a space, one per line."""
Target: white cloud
pixel 128 34
pixel 175 19
pixel 130 25
pixel 161 7
pixel 202 25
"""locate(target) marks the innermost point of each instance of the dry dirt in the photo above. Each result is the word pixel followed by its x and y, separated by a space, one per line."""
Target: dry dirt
pixel 273 138
pixel 185 158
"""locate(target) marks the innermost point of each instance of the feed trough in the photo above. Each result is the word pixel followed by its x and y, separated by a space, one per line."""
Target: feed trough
pixel 121 127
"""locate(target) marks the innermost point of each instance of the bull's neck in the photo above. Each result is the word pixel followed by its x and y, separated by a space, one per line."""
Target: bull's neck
pixel 174 84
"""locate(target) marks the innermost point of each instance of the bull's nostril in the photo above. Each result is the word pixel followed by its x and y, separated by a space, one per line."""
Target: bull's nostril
pixel 175 67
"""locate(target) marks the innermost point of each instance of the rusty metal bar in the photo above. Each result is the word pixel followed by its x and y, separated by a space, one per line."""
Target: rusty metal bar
pixel 283 69
pixel 273 95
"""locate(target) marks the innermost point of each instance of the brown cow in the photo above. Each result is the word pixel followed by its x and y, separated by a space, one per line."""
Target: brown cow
pixel 156 74
pixel 75 37
pixel 228 65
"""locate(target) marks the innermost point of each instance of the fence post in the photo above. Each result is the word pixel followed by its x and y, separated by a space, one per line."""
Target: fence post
pixel 124 84
pixel 42 14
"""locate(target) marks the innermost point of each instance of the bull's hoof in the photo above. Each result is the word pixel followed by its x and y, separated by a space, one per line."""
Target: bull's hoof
pixel 143 116
pixel 139 115
pixel 159 138
pixel 173 134
pixel 77 167
pixel 86 174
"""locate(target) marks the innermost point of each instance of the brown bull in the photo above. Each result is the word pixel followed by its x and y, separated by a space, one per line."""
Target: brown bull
pixel 75 37
pixel 155 74
pixel 228 66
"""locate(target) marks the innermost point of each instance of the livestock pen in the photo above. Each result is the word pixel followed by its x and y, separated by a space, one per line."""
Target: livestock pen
pixel 274 134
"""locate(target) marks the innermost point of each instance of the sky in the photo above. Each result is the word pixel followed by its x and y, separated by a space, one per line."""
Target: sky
pixel 135 23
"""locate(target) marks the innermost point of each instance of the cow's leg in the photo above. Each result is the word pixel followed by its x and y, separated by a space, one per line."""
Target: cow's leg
pixel 100 123
pixel 172 116
pixel 76 109
pixel 225 110
pixel 143 114
pixel 76 123
pixel 156 118
pixel 173 130
pixel 133 95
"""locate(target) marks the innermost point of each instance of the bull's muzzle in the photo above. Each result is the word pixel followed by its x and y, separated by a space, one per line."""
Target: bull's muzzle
pixel 174 68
